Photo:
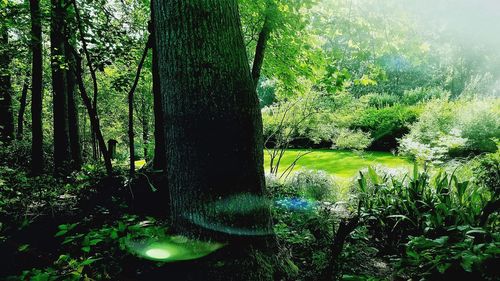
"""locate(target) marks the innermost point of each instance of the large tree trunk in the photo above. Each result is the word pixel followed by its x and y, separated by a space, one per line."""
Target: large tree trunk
pixel 62 156
pixel 6 115
pixel 213 126
pixel 36 89
pixel 159 161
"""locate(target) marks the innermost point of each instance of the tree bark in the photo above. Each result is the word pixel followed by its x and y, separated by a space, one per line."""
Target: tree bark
pixel 36 89
pixel 74 126
pixel 6 115
pixel 213 125
pixel 62 154
pixel 159 161
pixel 22 107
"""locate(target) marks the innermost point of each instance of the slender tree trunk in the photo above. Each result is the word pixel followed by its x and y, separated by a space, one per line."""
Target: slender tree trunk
pixel 6 115
pixel 93 116
pixel 36 89
pixel 213 125
pixel 22 107
pixel 131 109
pixel 62 154
pixel 159 161
pixel 74 128
pixel 260 49
pixel 145 131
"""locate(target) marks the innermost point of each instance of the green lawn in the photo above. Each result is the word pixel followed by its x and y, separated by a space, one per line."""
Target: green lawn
pixel 341 164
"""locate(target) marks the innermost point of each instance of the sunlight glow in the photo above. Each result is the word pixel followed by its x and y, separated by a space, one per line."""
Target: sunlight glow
pixel 158 253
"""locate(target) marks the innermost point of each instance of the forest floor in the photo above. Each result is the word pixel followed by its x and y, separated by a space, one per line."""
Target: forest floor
pixel 79 229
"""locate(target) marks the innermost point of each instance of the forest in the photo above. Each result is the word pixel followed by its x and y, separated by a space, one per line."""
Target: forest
pixel 286 140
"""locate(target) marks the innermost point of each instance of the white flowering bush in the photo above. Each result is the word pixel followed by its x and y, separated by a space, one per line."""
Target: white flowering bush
pixel 458 128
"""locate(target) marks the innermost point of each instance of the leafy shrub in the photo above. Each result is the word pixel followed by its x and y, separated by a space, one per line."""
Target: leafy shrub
pixel 349 139
pixel 409 97
pixel 276 188
pixel 437 215
pixel 20 203
pixel 318 185
pixel 385 125
pixel 381 100
pixel 420 95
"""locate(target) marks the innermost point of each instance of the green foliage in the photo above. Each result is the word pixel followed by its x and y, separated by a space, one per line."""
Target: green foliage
pixel 23 198
pixel 479 122
pixel 440 212
pixel 409 97
pixel 463 253
pixel 355 140
pixel 307 236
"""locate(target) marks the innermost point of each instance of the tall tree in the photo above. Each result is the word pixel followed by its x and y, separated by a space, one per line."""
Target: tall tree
pixel 74 128
pixel 6 115
pixel 62 156
pixel 213 125
pixel 36 88
pixel 159 161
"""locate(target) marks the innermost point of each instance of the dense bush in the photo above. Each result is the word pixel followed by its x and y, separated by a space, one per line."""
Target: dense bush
pixel 385 125
pixel 409 97
pixel 18 154
pixel 421 95
pixel 479 122
pixel 486 170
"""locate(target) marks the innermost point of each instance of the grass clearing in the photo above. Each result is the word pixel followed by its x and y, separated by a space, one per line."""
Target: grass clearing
pixel 343 165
